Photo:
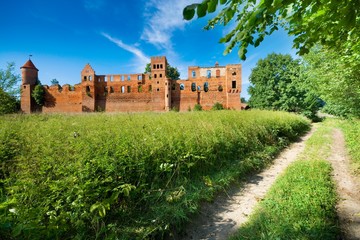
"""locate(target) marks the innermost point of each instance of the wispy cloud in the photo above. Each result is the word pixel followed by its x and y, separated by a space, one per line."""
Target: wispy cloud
pixel 141 57
pixel 93 4
pixel 163 17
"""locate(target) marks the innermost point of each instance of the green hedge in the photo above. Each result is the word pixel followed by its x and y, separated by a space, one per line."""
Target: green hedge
pixel 130 176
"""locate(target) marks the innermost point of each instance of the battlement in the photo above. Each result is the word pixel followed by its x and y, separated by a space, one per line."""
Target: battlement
pixel 139 92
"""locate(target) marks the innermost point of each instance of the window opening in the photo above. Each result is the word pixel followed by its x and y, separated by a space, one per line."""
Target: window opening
pixel 193 74
pixel 193 87
pixel 233 84
pixel 208 73
pixel 206 86
pixel 182 86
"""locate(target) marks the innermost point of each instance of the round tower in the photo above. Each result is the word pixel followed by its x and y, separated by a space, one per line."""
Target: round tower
pixel 29 73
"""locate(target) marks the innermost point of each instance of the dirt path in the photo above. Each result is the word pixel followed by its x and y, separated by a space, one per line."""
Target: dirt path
pixel 223 217
pixel 348 188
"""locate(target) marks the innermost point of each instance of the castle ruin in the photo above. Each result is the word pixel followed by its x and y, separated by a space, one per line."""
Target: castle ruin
pixel 136 92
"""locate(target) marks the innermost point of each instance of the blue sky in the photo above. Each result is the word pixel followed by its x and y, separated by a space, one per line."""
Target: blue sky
pixel 116 36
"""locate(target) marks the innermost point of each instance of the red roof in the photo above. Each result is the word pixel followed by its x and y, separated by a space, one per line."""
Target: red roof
pixel 29 64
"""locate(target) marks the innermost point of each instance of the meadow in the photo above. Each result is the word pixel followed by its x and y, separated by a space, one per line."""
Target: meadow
pixel 127 176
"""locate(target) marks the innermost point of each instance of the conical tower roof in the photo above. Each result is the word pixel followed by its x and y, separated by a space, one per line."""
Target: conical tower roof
pixel 29 64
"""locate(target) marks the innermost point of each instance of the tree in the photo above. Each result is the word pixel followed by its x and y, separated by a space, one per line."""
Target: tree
pixel 278 83
pixel 38 93
pixel 336 78
pixel 328 22
pixel 8 103
pixel 9 90
pixel 9 80
pixel 54 82
pixel 171 72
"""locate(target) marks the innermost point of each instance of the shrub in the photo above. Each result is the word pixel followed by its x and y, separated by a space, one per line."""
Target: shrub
pixel 197 107
pixel 217 106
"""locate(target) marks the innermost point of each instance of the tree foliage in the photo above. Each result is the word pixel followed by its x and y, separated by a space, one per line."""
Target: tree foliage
pixel 336 78
pixel 171 72
pixel 8 103
pixel 9 90
pixel 278 83
pixel 328 22
pixel 38 94
pixel 54 82
pixel 9 80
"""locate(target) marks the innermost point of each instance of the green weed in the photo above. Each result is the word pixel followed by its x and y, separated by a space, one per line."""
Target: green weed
pixel 127 176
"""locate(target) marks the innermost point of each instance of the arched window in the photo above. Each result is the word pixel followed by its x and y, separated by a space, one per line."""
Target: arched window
pixel 129 77
pixel 122 89
pixel 111 89
pixel 220 88
pixel 87 89
pixel 160 75
pixel 155 76
pixel 129 89
pixel 182 86
pixel 208 73
pixel 193 87
pixel 193 74
pixel 206 86
pixel 122 78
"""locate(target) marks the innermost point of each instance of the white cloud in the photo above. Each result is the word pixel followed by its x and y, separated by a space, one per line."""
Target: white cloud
pixel 163 17
pixel 142 59
pixel 93 4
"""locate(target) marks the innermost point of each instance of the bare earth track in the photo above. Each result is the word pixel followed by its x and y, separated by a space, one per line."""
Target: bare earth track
pixel 220 219
pixel 348 188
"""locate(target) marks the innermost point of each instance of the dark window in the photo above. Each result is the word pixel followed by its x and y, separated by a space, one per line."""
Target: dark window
pixel 206 86
pixel 140 88
pixel 128 89
pixel 161 66
pixel 220 88
pixel 85 78
pixel 160 75
pixel 193 87
pixel 154 66
pixel 233 84
pixel 150 88
pixel 111 89
pixel 155 76
pixel 173 87
pixel 87 89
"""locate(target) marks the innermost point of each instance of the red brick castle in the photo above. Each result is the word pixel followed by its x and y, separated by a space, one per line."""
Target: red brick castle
pixel 136 92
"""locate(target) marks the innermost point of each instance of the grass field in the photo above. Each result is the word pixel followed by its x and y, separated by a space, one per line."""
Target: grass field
pixel 131 176
pixel 302 202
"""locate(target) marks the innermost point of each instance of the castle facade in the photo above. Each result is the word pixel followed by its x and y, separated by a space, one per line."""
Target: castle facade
pixel 136 92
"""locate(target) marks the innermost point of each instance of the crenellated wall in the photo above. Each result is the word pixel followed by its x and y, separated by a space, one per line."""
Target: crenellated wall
pixel 139 92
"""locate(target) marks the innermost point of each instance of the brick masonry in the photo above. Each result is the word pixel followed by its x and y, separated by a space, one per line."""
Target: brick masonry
pixel 137 92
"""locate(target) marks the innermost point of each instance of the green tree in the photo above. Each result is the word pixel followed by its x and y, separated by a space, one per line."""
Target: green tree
pixel 328 22
pixel 336 78
pixel 278 83
pixel 9 80
pixel 9 90
pixel 8 103
pixel 171 72
pixel 38 93
pixel 54 81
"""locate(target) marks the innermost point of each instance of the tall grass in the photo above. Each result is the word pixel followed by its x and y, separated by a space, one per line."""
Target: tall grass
pixel 129 176
pixel 351 129
pixel 302 202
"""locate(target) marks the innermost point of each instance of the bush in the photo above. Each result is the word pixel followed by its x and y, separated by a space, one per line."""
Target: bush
pixel 197 107
pixel 8 103
pixel 217 106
